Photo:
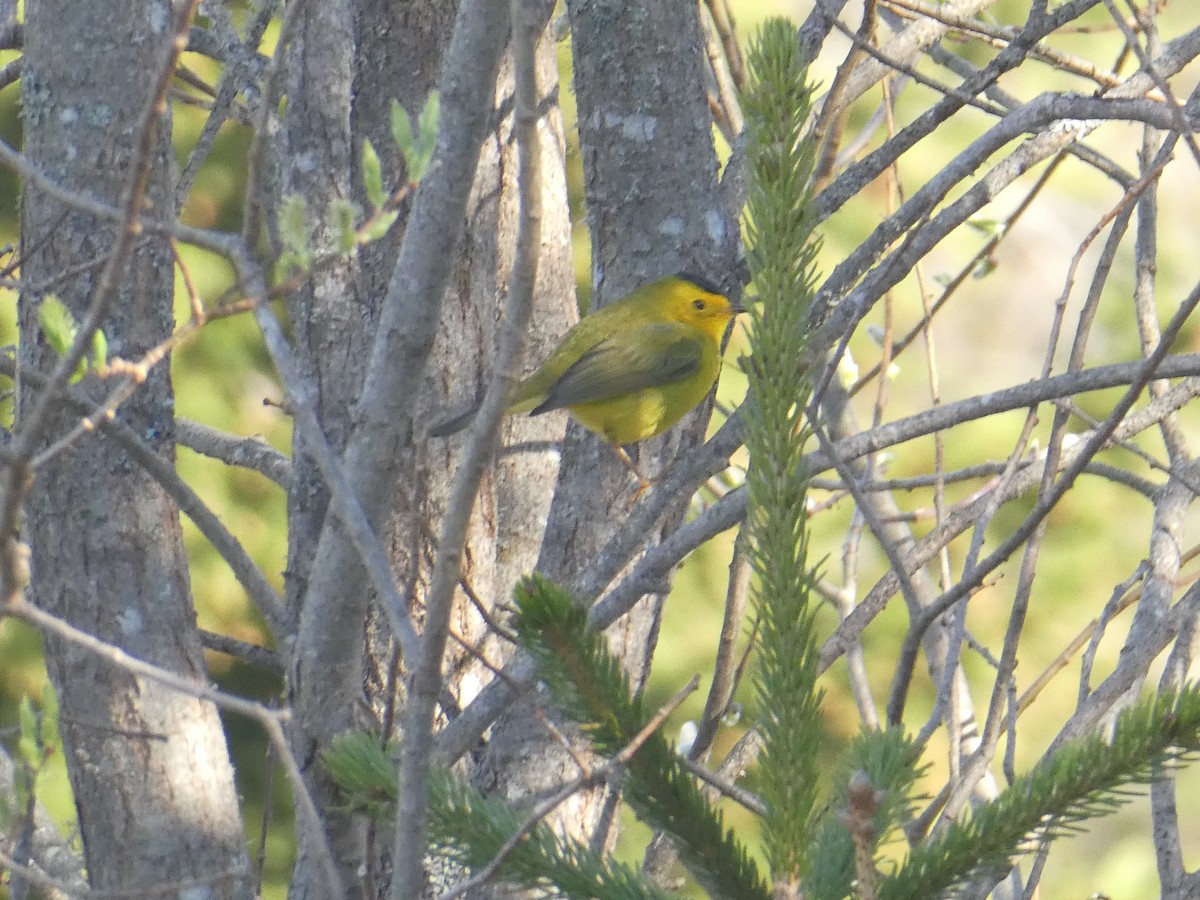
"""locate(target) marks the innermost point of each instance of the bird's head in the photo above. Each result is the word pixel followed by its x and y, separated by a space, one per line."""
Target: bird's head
pixel 699 303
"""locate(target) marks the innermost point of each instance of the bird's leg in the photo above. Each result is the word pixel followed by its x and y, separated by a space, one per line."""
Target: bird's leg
pixel 643 481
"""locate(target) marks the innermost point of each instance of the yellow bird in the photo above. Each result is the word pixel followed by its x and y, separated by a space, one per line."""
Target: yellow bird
pixel 634 368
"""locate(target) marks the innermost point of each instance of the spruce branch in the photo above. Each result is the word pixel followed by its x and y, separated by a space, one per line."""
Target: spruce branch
pixel 482 834
pixel 589 685
pixel 781 258
pixel 1083 780
pixel 479 832
pixel 877 766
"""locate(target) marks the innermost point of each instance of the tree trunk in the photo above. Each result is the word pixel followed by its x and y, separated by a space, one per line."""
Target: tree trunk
pixel 400 56
pixel 149 767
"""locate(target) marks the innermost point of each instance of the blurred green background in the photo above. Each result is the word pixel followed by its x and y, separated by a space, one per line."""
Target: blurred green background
pixel 992 335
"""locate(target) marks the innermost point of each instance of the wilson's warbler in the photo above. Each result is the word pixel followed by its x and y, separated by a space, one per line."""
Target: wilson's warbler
pixel 632 369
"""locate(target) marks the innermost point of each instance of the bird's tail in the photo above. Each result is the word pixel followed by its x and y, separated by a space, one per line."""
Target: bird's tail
pixel 457 422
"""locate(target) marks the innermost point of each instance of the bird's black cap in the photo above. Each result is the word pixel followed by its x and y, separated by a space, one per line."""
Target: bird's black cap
pixel 705 284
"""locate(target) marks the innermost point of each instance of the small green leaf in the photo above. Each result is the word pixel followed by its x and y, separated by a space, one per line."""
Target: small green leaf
pixel 988 227
pixel 345 216
pixel 417 149
pixel 58 325
pixel 293 232
pixel 418 165
pixel 373 175
pixel 426 136
pixel 431 114
pixel 99 359
pixel 402 131
pixel 61 330
pixel 293 223
pixel 378 227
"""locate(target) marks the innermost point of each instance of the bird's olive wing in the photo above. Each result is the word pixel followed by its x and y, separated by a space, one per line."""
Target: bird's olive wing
pixel 651 356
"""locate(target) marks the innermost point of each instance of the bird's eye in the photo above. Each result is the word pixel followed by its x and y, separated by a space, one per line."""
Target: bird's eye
pixel 698 305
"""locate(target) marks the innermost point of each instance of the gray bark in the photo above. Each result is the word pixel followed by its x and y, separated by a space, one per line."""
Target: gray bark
pixel 343 82
pixel 149 768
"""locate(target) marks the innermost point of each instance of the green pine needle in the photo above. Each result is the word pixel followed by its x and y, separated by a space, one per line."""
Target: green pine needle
pixel 590 686
pixel 782 248
pixel 885 759
pixel 1088 778
pixel 473 829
